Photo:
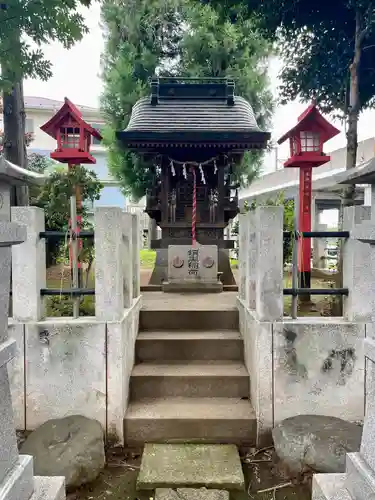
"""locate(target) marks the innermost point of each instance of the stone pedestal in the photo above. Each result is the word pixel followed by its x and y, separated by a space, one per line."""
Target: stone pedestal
pixel 17 481
pixel 192 269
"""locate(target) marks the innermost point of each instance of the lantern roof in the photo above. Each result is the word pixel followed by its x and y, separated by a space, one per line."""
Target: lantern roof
pixel 311 117
pixel 68 109
pixel 193 113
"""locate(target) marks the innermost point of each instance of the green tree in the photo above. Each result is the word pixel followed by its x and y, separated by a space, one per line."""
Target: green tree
pixel 328 50
pixel 24 26
pixel 53 196
pixel 140 36
pixel 174 37
pixel 39 22
pixel 288 224
pixel 211 47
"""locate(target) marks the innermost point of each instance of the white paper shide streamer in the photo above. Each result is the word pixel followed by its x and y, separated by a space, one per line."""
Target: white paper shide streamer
pixel 172 168
pixel 184 173
pixel 202 173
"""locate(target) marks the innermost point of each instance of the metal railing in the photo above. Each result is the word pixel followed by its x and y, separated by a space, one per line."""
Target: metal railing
pixel 296 291
pixel 67 292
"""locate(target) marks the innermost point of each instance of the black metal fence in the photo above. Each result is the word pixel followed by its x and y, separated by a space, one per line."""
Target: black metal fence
pixel 70 292
pixel 297 235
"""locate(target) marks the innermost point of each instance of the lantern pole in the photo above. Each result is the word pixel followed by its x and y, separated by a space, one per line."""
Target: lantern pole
pixel 305 196
pixel 74 253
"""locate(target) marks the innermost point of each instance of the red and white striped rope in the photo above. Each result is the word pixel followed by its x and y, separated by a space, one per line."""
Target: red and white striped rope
pixel 194 209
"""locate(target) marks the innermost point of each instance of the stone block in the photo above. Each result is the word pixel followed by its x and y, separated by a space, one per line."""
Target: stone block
pixel 109 264
pixel 5 263
pixel 5 193
pixel 329 487
pixel 368 439
pixel 269 286
pixel 137 245
pixel 242 253
pixel 258 342
pixel 16 374
pixel 29 265
pixel 121 337
pixel 19 483
pixel 187 264
pixel 65 370
pixel 190 465
pixel 358 262
pixel 360 478
pixel 49 488
pixel 319 368
pixel 252 261
pixel 8 441
pixel 190 494
pixel 127 258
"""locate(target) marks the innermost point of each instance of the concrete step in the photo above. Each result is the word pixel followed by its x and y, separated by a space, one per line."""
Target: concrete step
pixel 190 465
pixel 205 345
pixel 204 379
pixel 170 319
pixel 194 420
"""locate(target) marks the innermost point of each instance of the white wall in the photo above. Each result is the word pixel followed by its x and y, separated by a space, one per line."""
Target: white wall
pixel 83 367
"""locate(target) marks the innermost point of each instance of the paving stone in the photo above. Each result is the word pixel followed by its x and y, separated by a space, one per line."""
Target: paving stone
pixel 190 465
pixel 190 494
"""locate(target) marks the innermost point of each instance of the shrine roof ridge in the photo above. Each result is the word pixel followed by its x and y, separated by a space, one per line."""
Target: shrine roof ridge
pixel 192 114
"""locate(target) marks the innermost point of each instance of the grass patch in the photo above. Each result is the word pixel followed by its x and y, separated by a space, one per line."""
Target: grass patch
pixel 148 258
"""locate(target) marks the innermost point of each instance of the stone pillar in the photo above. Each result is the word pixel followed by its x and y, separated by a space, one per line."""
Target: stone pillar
pixel 252 260
pixel 357 271
pixel 127 258
pixel 5 196
pixel 137 245
pixel 360 467
pixel 152 231
pixel 269 271
pixel 17 481
pixel 319 246
pixel 367 196
pixel 29 265
pixel 109 263
pixel 242 254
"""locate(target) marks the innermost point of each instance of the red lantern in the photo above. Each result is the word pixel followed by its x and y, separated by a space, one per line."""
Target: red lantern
pixel 73 135
pixel 306 142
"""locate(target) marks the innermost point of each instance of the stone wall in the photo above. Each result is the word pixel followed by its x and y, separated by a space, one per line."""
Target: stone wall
pixel 297 366
pixel 67 366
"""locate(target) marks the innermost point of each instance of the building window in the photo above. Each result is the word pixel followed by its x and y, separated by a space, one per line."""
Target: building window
pixel 99 127
pixel 29 126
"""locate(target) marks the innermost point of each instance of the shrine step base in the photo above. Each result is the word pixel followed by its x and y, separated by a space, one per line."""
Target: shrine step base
pixel 178 320
pixel 195 287
pixel 158 288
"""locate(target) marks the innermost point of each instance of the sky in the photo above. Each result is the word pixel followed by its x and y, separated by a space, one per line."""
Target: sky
pixel 76 74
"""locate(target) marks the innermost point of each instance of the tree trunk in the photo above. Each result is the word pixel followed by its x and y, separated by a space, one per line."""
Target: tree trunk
pixel 14 136
pixel 354 107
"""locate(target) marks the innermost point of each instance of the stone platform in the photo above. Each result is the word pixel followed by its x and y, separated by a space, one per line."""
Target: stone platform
pixel 190 465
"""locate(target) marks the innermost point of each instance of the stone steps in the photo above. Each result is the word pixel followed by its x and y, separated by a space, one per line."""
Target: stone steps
pixel 194 420
pixel 204 379
pixel 170 319
pixel 189 382
pixel 188 465
pixel 189 345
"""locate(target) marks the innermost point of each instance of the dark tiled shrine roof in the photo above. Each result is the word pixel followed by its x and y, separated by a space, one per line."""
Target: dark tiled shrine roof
pixel 192 115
